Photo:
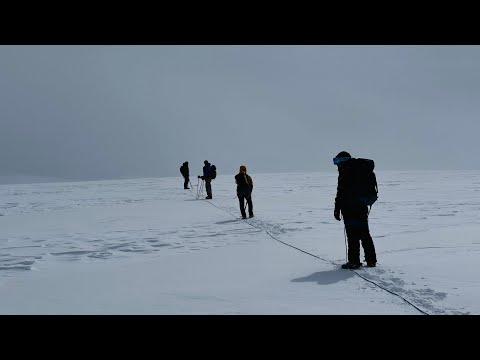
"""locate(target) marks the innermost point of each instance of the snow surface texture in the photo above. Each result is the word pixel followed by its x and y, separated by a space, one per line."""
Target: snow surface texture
pixel 147 246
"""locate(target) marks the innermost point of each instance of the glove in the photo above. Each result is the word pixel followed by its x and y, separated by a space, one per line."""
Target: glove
pixel 336 214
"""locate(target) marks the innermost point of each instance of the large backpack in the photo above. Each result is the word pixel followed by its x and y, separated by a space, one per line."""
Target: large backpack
pixel 182 170
pixel 213 172
pixel 366 181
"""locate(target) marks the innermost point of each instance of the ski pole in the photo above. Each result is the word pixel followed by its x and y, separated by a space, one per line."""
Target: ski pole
pixel 198 183
pixel 200 193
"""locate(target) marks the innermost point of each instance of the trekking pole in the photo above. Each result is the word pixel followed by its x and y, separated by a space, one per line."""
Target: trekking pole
pixel 198 182
pixel 201 189
pixel 345 234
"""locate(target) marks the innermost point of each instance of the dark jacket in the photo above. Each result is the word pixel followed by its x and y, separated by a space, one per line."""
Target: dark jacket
pixel 244 183
pixel 346 199
pixel 184 170
pixel 206 170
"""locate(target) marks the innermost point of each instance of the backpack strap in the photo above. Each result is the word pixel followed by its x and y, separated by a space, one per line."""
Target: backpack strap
pixel 376 190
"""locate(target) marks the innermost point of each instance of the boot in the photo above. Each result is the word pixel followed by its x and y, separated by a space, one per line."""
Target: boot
pixel 351 266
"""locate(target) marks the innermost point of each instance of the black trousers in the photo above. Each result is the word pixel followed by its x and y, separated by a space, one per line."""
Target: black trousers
pixel 187 180
pixel 208 186
pixel 355 234
pixel 241 199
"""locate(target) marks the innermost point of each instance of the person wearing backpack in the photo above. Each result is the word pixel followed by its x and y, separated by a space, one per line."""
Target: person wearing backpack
pixel 356 189
pixel 207 178
pixel 186 174
pixel 244 191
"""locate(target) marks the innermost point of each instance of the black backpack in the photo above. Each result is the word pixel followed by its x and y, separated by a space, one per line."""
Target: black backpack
pixel 366 181
pixel 182 170
pixel 213 172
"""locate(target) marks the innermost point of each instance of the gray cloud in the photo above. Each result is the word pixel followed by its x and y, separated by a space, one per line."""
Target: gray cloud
pixel 89 112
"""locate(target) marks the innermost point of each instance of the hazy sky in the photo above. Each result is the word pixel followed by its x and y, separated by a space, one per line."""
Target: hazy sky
pixel 90 112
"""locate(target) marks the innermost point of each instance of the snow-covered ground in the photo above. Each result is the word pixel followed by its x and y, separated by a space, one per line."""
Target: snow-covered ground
pixel 147 246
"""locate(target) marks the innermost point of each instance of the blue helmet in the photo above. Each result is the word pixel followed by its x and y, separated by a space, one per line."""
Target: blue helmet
pixel 341 157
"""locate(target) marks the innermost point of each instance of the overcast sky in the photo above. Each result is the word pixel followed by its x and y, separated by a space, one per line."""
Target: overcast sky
pixel 92 112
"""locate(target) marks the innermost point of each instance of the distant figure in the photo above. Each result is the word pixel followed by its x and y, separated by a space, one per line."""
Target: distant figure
pixel 244 191
pixel 350 202
pixel 207 178
pixel 186 174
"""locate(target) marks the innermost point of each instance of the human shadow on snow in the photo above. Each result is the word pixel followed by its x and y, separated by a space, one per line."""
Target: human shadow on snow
pixel 327 277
